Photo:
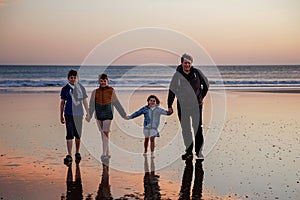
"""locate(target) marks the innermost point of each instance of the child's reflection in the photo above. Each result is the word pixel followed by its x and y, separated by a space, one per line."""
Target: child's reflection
pixel 74 188
pixel 104 187
pixel 151 187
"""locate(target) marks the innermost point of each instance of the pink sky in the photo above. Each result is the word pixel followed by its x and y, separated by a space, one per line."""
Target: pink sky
pixel 231 32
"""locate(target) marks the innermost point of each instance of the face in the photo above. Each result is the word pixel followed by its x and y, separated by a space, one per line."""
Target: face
pixel 186 64
pixel 152 102
pixel 73 79
pixel 103 82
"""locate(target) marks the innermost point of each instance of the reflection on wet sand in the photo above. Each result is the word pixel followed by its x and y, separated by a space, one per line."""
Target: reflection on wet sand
pixel 151 187
pixel 150 180
pixel 74 188
pixel 185 191
pixel 104 187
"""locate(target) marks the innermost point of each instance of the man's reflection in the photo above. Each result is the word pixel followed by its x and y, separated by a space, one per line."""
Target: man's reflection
pixel 151 187
pixel 185 191
pixel 74 188
pixel 104 187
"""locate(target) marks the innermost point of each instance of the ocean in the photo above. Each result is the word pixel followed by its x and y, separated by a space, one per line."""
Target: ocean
pixel 50 78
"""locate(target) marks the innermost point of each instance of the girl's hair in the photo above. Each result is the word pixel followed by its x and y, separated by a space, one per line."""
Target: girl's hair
pixel 72 72
pixel 155 97
pixel 103 76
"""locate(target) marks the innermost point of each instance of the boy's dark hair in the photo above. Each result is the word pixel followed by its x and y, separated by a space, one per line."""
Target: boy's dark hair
pixel 103 76
pixel 72 72
pixel 155 97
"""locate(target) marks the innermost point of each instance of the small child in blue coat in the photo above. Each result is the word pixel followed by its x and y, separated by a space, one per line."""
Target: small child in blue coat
pixel 152 113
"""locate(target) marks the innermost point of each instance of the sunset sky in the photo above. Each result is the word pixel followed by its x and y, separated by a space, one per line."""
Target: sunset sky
pixel 231 31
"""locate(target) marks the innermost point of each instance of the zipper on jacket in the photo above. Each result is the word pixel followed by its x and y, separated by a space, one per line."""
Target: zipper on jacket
pixel 151 119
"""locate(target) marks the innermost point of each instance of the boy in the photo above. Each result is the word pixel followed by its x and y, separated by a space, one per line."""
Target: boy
pixel 102 101
pixel 73 98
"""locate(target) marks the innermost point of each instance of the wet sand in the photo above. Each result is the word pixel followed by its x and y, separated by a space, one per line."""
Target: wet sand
pixel 256 155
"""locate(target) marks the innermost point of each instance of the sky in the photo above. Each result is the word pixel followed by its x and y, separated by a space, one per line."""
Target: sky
pixel 230 31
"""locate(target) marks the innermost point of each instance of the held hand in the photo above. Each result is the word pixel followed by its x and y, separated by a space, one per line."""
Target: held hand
pixel 126 117
pixel 88 117
pixel 170 111
pixel 201 101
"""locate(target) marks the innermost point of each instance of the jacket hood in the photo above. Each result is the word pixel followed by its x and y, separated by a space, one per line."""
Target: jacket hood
pixel 179 67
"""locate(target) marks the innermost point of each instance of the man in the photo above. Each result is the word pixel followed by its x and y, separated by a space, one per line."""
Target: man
pixel 189 86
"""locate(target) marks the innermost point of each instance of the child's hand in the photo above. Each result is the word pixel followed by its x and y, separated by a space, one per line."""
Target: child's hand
pixel 126 117
pixel 88 117
pixel 62 119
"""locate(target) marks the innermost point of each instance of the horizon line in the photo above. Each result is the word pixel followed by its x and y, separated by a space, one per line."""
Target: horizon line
pixel 127 65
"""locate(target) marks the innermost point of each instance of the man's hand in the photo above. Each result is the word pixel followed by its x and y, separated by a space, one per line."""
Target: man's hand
pixel 170 111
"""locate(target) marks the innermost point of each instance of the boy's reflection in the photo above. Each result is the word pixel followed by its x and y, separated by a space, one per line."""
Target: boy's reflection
pixel 185 190
pixel 151 187
pixel 104 187
pixel 74 188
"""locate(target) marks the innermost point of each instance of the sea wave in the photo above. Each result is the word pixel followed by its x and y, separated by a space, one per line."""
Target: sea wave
pixel 123 77
pixel 144 82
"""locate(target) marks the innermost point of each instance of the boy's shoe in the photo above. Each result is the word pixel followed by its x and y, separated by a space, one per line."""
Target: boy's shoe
pixel 105 159
pixel 77 157
pixel 200 156
pixel 68 160
pixel 187 156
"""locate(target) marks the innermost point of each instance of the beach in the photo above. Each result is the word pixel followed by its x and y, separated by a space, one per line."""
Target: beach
pixel 256 154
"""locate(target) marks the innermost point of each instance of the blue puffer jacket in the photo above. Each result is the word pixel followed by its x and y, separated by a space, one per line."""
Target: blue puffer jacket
pixel 151 116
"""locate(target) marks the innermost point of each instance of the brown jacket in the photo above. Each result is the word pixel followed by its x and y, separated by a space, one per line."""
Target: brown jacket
pixel 103 100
